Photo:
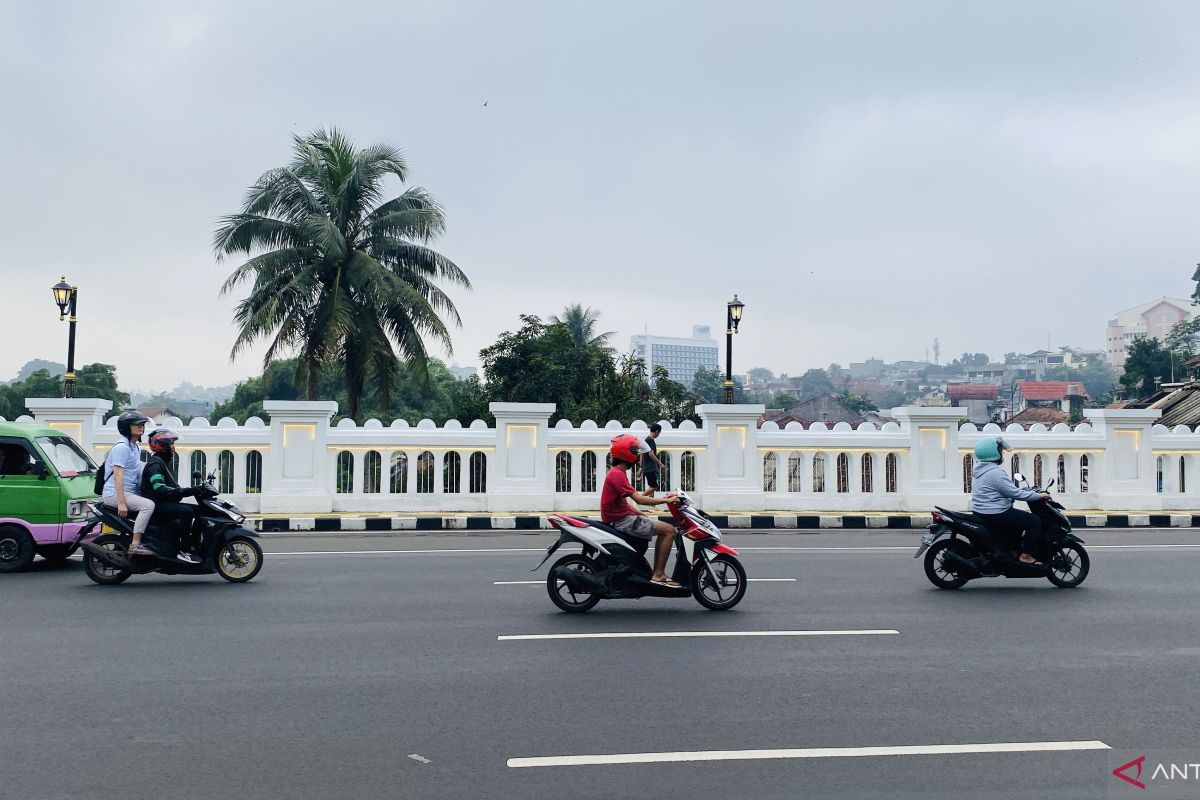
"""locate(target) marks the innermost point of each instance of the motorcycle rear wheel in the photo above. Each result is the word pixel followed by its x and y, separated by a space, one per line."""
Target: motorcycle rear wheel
pixel 1069 565
pixel 935 567
pixel 732 577
pixel 561 594
pixel 100 572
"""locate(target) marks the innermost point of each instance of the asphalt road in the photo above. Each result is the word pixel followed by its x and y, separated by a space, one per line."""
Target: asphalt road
pixel 370 667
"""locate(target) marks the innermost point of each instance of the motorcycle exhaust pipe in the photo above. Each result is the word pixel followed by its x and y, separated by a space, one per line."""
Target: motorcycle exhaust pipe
pixel 961 565
pixel 580 582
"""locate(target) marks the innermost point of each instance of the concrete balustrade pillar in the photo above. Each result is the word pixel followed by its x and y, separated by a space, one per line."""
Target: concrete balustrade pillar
pixel 79 418
pixel 295 476
pixel 523 479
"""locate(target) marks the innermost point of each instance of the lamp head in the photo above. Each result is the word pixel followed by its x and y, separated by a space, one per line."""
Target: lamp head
pixel 735 311
pixel 62 295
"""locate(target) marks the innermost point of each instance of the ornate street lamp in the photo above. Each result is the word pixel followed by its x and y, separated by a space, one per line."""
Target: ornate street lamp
pixel 66 297
pixel 733 316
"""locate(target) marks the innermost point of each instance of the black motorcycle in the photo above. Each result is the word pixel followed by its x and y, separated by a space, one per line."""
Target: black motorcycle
pixel 976 551
pixel 222 544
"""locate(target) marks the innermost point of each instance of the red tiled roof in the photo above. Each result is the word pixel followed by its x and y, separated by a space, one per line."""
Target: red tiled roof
pixel 1050 390
pixel 972 391
pixel 1046 416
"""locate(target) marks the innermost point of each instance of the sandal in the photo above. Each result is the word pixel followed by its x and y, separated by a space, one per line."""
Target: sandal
pixel 1032 562
pixel 668 583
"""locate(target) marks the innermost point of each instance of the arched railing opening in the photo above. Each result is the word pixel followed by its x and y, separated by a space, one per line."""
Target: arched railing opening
pixel 562 472
pixel 372 472
pixel 253 472
pixel 425 466
pixel 451 472
pixel 345 472
pixel 687 471
pixel 891 470
pixel 587 472
pixel 225 472
pixel 768 476
pixel 398 474
pixel 478 473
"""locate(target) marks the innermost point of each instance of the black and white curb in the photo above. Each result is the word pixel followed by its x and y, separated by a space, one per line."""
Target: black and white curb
pixel 752 522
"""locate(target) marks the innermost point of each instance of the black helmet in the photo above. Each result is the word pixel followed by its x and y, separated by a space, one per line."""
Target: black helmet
pixel 128 420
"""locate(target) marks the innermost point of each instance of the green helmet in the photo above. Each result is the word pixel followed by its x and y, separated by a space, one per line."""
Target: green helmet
pixel 990 448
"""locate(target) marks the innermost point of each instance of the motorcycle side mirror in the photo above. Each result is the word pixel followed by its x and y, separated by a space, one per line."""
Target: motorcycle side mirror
pixel 1051 483
pixel 197 477
pixel 1019 480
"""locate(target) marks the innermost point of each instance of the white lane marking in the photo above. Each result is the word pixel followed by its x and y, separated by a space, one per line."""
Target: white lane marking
pixel 542 583
pixel 419 757
pixel 814 752
pixel 687 634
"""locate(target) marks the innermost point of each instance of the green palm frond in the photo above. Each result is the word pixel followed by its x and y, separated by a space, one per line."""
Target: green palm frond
pixel 338 273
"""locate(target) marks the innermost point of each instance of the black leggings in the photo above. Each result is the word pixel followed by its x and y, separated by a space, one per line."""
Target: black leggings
pixel 1015 521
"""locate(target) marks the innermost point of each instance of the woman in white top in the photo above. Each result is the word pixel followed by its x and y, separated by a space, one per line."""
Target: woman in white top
pixel 122 478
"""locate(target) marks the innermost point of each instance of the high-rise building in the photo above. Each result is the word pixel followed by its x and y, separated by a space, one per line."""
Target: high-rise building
pixel 1153 319
pixel 679 357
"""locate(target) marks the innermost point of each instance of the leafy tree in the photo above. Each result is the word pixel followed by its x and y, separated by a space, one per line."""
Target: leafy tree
pixel 856 402
pixel 973 360
pixel 91 380
pixel 1145 360
pixel 1097 377
pixel 338 276
pixel 708 384
pixel 892 398
pixel 814 383
pixel 762 374
pixel 782 399
pixel 582 323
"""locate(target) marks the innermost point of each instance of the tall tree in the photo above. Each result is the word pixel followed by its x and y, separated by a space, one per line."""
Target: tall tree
pixel 582 323
pixel 339 276
pixel 1145 361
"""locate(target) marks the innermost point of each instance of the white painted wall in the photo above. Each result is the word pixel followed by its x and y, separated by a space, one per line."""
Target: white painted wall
pixel 730 464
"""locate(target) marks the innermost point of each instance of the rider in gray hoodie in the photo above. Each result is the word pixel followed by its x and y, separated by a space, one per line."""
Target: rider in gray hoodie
pixel 992 496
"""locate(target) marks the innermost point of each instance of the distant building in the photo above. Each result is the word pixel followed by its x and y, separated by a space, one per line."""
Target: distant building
pixel 1153 319
pixel 679 357
pixel 826 408
pixel 982 400
pixel 872 368
pixel 1048 394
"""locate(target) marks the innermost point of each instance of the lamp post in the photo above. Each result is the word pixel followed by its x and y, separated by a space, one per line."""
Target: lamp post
pixel 67 295
pixel 733 315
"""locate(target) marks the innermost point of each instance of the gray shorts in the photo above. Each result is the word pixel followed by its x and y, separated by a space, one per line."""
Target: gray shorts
pixel 636 525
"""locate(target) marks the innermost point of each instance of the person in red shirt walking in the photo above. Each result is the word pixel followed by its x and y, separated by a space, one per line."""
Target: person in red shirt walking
pixel 617 511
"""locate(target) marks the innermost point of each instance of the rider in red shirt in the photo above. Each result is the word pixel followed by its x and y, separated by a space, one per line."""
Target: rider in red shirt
pixel 617 511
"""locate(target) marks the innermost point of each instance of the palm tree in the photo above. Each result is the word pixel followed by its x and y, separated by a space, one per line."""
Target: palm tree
pixel 340 277
pixel 582 324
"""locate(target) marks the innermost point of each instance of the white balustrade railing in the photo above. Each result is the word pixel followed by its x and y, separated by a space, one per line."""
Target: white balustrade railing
pixel 1118 460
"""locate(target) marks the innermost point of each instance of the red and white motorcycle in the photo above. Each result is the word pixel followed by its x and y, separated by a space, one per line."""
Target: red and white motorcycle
pixel 613 565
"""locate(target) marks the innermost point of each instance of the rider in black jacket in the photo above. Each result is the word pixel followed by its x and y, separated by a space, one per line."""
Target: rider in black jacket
pixel 159 485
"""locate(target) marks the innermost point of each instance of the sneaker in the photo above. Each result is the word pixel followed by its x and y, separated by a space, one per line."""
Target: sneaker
pixel 187 558
pixel 141 550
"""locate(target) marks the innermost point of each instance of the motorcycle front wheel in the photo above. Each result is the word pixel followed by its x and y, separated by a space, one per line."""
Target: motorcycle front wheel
pixel 727 590
pixel 935 564
pixel 1069 565
pixel 239 559
pixel 561 594
pixel 100 572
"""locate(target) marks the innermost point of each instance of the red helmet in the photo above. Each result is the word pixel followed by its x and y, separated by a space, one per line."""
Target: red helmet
pixel 163 440
pixel 626 447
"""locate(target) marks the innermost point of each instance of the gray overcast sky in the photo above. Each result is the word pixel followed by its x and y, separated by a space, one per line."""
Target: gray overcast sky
pixel 866 175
